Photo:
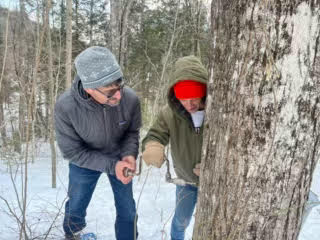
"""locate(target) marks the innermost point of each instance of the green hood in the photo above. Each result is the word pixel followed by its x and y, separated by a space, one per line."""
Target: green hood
pixel 186 68
pixel 174 124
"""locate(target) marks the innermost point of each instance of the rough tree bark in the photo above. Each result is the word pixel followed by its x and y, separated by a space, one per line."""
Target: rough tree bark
pixel 261 141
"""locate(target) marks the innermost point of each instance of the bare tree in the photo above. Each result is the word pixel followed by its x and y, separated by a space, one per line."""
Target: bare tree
pixel 69 44
pixel 195 8
pixel 51 97
pixel 261 140
pixel 91 23
pixel 22 71
pixel 31 106
pixel 5 49
pixel 124 32
pixel 2 123
pixel 119 26
pixel 115 7
pixel 76 19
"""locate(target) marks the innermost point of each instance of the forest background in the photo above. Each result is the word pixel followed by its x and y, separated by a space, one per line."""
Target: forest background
pixel 37 54
pixel 39 40
pixel 262 142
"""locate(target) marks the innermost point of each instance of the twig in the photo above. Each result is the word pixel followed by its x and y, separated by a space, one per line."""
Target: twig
pixel 135 219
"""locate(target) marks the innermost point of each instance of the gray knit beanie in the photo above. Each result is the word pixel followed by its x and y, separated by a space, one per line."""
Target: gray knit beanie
pixel 97 67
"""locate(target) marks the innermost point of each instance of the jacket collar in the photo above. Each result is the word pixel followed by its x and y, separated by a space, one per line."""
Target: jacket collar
pixel 83 97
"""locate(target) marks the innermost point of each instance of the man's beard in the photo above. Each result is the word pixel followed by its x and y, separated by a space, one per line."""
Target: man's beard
pixel 113 104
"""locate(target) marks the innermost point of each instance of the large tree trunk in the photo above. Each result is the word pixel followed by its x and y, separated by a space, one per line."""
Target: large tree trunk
pixel 261 140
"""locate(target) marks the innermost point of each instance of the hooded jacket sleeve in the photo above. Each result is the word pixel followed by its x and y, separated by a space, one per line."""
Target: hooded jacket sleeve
pixel 159 131
pixel 76 150
pixel 130 140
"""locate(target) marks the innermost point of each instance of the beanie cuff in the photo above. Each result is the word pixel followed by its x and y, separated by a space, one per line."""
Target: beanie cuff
pixel 104 81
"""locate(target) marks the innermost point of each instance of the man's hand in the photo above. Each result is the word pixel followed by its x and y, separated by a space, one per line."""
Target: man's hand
pixel 131 160
pixel 196 169
pixel 126 162
pixel 153 154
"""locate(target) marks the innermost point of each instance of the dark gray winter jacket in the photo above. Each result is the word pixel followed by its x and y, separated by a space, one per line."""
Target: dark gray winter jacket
pixel 96 136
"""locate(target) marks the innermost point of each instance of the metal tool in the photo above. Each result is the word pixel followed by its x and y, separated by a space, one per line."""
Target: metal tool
pixel 177 181
pixel 127 172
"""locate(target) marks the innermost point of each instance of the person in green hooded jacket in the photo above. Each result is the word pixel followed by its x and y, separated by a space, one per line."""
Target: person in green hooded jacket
pixel 181 124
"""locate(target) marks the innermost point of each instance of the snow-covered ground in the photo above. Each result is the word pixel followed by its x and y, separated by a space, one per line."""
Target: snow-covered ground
pixel 155 199
pixel 311 226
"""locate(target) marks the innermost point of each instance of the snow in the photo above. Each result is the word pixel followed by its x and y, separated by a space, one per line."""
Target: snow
pixel 310 229
pixel 154 197
pixel 155 207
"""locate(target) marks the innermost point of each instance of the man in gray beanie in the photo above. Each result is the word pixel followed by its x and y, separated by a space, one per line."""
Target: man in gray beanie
pixel 97 127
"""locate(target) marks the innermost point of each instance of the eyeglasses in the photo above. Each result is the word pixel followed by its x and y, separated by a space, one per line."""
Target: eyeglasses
pixel 110 93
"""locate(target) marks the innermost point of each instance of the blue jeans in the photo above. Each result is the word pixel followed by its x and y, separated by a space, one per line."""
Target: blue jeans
pixel 186 199
pixel 82 183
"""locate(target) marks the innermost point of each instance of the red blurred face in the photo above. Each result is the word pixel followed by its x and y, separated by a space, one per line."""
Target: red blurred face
pixel 192 105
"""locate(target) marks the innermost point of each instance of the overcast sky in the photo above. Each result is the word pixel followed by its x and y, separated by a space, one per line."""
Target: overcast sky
pixel 9 3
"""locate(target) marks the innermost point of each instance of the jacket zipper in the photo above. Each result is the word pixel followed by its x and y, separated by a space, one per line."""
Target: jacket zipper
pixel 105 125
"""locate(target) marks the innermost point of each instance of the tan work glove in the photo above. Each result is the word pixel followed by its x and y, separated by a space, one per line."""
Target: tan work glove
pixel 153 154
pixel 196 169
